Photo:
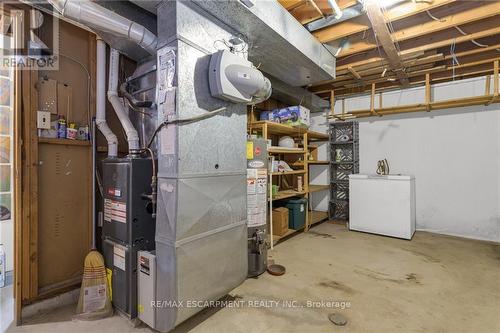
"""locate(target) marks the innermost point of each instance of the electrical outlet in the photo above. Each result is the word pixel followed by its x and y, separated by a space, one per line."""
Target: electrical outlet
pixel 43 120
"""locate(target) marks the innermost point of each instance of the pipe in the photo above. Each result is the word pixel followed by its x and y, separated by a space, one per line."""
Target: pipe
pixel 94 15
pixel 134 101
pixel 100 120
pixel 130 131
pixel 336 8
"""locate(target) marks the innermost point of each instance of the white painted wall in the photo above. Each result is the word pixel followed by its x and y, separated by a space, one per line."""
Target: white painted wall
pixel 454 155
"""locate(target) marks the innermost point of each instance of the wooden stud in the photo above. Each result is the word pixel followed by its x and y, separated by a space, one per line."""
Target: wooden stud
pixel 428 91
pixel 372 99
pixel 17 190
pixel 332 102
pixel 495 79
pixel 29 220
pixel 487 87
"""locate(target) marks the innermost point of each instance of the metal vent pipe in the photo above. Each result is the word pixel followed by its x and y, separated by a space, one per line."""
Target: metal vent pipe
pixel 94 15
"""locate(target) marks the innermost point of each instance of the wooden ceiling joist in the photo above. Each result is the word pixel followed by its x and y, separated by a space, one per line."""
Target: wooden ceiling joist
pixel 361 23
pixel 491 9
pixel 384 37
pixel 438 76
pixel 424 39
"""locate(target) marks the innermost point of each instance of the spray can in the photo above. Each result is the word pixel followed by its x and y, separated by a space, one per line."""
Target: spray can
pixel 61 128
pixel 2 266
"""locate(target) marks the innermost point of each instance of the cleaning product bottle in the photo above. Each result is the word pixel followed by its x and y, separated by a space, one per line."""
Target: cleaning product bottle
pixel 61 127
pixel 2 266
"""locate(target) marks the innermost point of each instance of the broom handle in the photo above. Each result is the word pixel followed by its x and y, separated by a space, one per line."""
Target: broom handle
pixel 94 143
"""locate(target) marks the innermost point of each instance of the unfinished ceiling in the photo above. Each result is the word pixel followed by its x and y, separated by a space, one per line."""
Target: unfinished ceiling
pixel 394 43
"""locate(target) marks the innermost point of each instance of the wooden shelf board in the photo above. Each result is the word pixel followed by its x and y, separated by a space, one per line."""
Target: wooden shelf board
pixel 281 129
pixel 287 194
pixel 278 129
pixel 317 216
pixel 317 136
pixel 318 162
pixel 284 151
pixel 294 172
pixel 317 188
pixel 276 238
pixel 68 142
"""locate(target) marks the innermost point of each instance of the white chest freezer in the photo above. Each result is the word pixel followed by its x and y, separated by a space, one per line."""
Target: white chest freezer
pixel 382 205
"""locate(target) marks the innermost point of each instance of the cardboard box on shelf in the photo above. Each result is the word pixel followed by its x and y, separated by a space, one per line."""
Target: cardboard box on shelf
pixel 297 116
pixel 280 221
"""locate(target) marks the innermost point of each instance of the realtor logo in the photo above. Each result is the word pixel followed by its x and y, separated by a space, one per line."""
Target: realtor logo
pixel 29 37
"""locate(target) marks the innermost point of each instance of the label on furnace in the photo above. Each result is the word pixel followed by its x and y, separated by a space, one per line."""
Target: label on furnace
pixel 115 211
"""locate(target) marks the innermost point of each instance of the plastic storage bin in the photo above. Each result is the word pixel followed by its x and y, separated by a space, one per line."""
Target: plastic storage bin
pixel 297 210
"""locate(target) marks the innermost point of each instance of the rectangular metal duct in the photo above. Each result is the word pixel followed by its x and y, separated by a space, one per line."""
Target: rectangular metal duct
pixel 277 41
pixel 201 233
pixel 297 96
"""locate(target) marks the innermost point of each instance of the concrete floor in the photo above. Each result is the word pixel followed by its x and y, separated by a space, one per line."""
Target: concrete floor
pixel 433 283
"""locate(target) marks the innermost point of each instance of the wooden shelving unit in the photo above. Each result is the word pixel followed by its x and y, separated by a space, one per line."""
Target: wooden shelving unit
pixel 296 158
pixel 68 142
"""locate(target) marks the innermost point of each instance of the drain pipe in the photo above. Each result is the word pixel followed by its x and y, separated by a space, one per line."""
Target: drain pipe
pixel 100 119
pixel 130 131
pixel 94 15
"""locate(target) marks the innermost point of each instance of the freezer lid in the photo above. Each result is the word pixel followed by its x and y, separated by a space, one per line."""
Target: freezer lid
pixel 377 177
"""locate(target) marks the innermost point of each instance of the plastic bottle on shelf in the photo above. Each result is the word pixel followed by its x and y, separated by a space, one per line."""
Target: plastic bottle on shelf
pixel 61 127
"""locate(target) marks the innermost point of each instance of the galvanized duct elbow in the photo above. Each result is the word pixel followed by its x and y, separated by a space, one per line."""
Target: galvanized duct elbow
pixel 130 131
pixel 100 18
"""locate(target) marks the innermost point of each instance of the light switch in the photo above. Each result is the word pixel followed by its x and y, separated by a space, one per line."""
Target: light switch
pixel 43 120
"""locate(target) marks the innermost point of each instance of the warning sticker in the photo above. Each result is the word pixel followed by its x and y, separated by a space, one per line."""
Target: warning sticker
pixel 115 211
pixel 94 298
pixel 119 257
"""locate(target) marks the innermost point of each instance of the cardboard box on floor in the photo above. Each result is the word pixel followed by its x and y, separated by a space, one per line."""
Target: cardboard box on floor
pixel 280 221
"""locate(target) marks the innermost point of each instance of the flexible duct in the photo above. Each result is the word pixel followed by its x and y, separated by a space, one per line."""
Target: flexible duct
pixel 130 132
pixel 93 15
pixel 101 100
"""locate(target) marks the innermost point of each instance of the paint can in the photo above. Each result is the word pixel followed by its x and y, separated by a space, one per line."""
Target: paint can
pixel 71 131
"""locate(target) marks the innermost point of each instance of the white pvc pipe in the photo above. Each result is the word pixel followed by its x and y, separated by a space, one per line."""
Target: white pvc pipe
pixel 130 131
pixel 94 15
pixel 336 8
pixel 100 118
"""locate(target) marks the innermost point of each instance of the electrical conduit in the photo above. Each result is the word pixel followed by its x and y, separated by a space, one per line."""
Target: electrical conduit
pixel 130 132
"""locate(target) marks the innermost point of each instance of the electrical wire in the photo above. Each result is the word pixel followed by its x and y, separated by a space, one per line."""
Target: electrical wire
pixel 203 116
pixel 89 78
pixel 472 40
pixel 434 17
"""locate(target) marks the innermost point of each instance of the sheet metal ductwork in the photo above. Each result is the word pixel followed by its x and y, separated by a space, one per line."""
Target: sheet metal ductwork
pixel 277 41
pixel 201 233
